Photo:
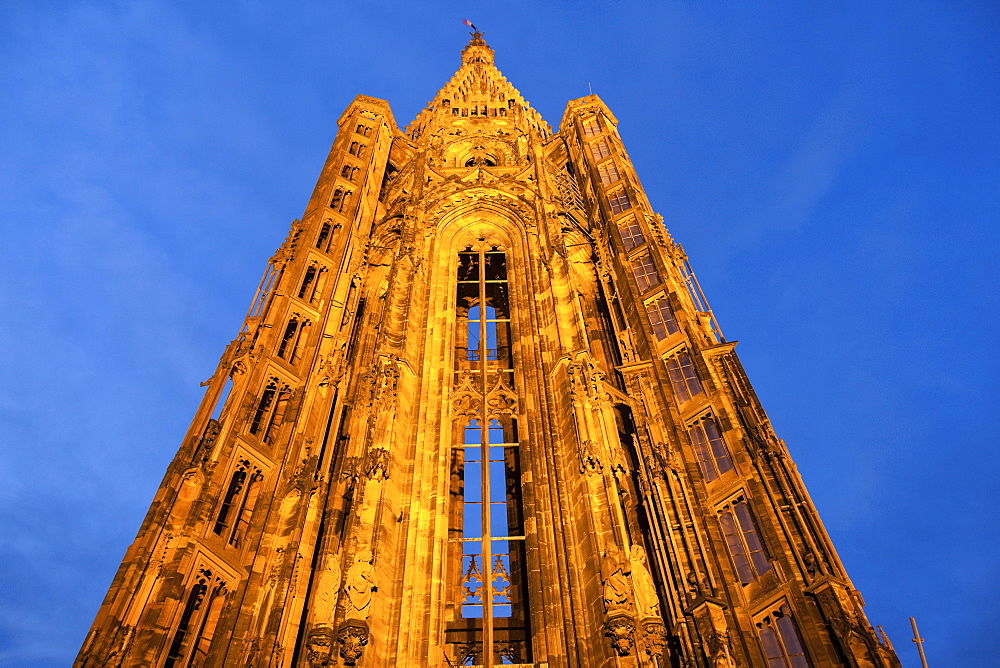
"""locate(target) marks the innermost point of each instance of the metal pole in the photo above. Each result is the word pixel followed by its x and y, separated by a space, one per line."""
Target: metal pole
pixel 919 641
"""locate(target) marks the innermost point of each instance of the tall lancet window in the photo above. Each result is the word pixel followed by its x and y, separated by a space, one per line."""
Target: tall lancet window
pixel 487 581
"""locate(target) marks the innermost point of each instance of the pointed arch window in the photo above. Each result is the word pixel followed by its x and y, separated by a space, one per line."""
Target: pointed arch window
pixel 619 201
pixel 780 639
pixel 645 272
pixel 487 569
pixel 683 376
pixel 710 448
pixel 662 318
pixel 270 411
pixel 323 238
pixel 340 198
pixel 238 503
pixel 743 540
pixel 291 344
pixel 631 233
pixel 196 629
pixel 308 283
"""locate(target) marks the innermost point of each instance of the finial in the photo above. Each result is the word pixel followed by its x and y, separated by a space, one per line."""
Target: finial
pixel 477 36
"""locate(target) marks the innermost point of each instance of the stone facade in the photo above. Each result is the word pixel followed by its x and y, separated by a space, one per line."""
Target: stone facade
pixel 480 413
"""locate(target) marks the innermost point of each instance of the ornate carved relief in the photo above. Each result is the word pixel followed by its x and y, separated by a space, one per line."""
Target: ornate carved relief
pixel 654 637
pixel 353 638
pixel 501 402
pixel 376 464
pixel 620 630
pixel 319 644
pixel 590 463
pixel 714 631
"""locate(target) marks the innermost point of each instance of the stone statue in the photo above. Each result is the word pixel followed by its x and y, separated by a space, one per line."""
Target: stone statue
pixel 359 585
pixel 646 602
pixel 614 572
pixel 328 590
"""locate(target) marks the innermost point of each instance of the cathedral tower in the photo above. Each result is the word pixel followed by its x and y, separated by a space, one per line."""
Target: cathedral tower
pixel 480 413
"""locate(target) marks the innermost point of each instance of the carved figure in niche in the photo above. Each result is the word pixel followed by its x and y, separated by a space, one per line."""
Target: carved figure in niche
pixel 377 464
pixel 589 461
pixel 328 590
pixel 809 560
pixel 646 602
pixel 615 569
pixel 360 584
pixel 698 584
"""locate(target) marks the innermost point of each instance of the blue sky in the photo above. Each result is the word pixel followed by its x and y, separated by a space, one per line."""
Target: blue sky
pixel 831 168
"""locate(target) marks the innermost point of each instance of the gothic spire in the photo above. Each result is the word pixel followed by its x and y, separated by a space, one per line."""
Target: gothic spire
pixel 477 94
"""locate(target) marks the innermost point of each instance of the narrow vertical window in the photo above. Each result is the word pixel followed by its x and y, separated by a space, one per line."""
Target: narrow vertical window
pixel 631 233
pixel 244 509
pixel 180 645
pixel 290 346
pixel 683 376
pixel 743 541
pixel 270 411
pixel 288 338
pixel 645 272
pixel 487 571
pixel 206 631
pixel 591 126
pixel 780 640
pixel 710 448
pixel 276 417
pixel 337 201
pixel 263 407
pixel 237 485
pixel 322 239
pixel 308 281
pixel 600 149
pixel 196 629
pixel 662 318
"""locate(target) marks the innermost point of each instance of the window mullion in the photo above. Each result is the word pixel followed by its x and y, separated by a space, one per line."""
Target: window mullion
pixel 485 474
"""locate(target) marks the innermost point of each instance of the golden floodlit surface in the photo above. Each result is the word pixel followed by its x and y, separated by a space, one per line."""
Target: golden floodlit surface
pixel 480 414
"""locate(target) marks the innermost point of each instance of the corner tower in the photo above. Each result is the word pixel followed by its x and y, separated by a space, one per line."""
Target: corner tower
pixel 480 413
